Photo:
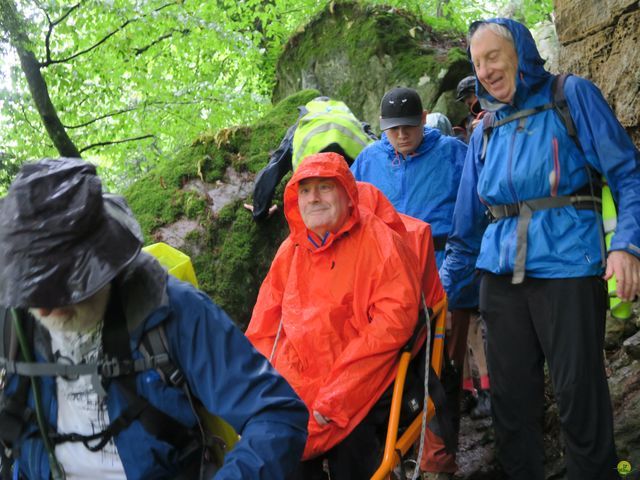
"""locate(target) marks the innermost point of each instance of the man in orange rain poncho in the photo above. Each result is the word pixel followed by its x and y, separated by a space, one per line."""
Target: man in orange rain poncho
pixel 338 304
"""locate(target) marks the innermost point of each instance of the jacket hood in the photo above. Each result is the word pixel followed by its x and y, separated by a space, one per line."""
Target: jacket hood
pixel 429 139
pixel 324 165
pixel 530 72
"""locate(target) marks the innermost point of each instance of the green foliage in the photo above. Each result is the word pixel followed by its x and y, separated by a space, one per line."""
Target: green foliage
pixel 160 71
pixel 141 76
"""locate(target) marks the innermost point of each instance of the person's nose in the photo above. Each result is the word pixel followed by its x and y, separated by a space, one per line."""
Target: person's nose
pixel 314 195
pixel 402 132
pixel 482 72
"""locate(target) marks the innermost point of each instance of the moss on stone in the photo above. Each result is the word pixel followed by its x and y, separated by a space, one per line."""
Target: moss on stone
pixel 356 52
pixel 232 253
pixel 254 146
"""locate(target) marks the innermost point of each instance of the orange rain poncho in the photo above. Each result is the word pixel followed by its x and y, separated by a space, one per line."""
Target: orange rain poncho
pixel 347 308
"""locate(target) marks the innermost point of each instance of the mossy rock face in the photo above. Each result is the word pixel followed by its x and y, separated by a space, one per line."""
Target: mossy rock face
pixel 349 52
pixel 230 252
pixel 356 53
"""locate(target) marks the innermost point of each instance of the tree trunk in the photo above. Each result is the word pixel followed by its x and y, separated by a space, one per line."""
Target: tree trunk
pixel 48 114
pixel 13 24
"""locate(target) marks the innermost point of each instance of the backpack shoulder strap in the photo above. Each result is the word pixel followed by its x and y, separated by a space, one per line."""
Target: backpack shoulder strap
pixel 7 335
pixel 154 344
pixel 558 103
pixel 487 129
pixel 561 106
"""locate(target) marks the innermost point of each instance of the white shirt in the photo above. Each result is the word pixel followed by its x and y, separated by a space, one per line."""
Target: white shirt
pixel 81 411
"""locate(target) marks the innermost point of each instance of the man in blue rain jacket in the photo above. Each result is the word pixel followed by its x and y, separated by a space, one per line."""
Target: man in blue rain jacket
pixel 416 167
pixel 70 257
pixel 528 218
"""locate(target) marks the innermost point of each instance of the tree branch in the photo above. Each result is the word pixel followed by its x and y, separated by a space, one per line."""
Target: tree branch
pixel 124 140
pixel 49 62
pixel 47 40
pixel 141 50
pixel 101 117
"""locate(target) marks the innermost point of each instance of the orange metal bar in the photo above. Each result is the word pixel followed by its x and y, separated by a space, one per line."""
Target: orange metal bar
pixel 393 445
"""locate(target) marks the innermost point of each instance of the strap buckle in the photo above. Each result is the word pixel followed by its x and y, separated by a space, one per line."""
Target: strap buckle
pixel 112 367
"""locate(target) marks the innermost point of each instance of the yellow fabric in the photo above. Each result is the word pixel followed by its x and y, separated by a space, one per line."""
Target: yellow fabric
pixel 619 309
pixel 179 265
pixel 325 123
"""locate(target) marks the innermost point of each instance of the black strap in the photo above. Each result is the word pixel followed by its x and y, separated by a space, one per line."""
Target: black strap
pixel 561 107
pixel 115 340
pixel 444 413
pixel 14 411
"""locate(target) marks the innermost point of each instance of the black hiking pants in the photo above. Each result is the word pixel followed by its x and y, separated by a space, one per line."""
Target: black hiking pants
pixel 358 456
pixel 562 321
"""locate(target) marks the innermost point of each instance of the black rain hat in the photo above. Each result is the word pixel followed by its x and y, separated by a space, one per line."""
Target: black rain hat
pixel 465 87
pixel 400 106
pixel 61 238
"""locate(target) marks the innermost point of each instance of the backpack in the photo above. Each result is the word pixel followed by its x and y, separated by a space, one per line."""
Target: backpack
pixel 211 432
pixel 328 125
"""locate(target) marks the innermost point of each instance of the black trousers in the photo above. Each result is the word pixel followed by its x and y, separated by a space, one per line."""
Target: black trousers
pixel 562 321
pixel 359 455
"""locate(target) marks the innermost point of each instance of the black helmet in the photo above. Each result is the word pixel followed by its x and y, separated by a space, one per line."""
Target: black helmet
pixel 465 87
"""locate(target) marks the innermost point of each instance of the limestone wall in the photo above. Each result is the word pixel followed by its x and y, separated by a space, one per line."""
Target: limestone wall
pixel 600 40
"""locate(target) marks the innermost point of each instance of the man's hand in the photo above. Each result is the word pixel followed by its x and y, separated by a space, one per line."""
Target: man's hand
pixel 626 268
pixel 272 209
pixel 321 419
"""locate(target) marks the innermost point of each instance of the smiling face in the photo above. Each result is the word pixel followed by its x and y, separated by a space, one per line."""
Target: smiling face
pixel 324 204
pixel 496 63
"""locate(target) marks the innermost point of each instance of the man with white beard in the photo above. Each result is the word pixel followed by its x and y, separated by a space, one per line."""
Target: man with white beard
pixel 104 406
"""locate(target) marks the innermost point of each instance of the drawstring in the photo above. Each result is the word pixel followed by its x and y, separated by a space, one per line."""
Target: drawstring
pixel 397 161
pixel 416 471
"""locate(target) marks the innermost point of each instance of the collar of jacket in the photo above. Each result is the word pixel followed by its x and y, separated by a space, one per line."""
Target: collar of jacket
pixel 143 289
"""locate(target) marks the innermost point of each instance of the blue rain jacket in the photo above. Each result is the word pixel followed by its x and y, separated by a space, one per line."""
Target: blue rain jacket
pixel 223 370
pixel 422 184
pixel 537 161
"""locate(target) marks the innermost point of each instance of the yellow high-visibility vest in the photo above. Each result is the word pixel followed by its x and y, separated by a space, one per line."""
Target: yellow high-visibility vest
pixel 179 265
pixel 327 122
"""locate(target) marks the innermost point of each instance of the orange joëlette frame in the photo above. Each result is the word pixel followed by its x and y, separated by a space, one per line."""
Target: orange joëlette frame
pixel 396 447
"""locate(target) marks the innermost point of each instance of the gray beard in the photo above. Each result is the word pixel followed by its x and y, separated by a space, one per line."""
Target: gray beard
pixel 82 317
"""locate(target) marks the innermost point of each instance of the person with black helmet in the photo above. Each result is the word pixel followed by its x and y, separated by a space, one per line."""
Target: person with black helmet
pixel 466 93
pixel 80 395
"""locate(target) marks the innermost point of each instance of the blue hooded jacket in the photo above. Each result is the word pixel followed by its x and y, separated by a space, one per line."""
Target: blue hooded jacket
pixel 422 184
pixel 536 161
pixel 223 370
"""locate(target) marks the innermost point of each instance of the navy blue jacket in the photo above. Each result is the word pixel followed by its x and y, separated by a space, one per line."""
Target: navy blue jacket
pixel 223 370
